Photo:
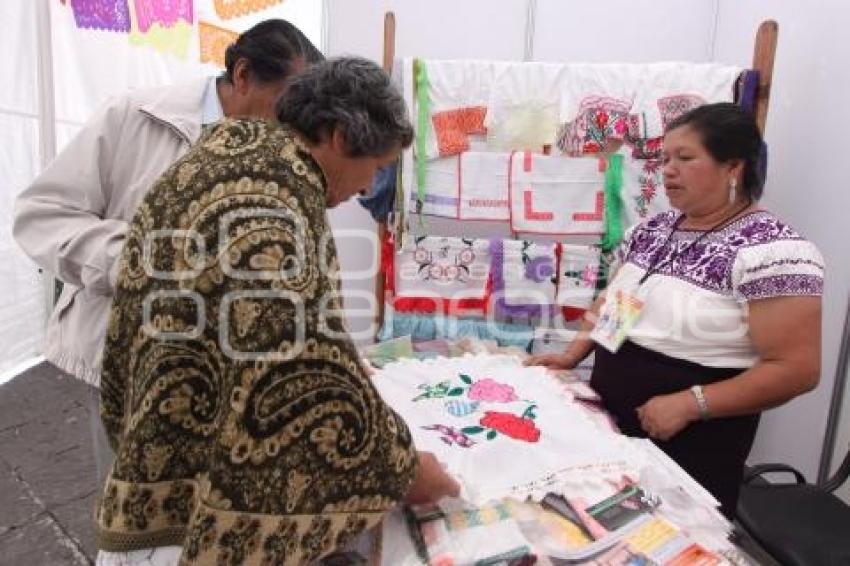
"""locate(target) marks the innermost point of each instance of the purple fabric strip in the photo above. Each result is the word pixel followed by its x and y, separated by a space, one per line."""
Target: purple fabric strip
pixel 497 259
pixel 436 199
pixel 749 90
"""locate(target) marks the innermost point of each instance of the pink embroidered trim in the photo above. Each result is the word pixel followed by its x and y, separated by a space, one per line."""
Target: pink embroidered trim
pixel 530 213
pixel 595 216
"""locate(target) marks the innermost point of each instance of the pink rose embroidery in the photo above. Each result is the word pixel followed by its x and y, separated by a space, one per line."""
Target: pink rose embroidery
pixel 492 391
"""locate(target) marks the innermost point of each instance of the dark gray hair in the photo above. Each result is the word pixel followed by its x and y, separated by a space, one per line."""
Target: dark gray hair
pixel 354 95
pixel 271 48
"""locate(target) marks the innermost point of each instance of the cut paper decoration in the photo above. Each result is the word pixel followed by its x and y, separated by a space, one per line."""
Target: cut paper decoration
pixel 441 193
pixel 228 9
pixel 643 190
pixel 579 274
pixel 551 443
pixel 165 13
pixel 441 274
pixel 214 42
pixel 524 108
pixel 524 275
pixel 600 121
pixel 484 186
pixel 173 40
pixel 107 15
pixel 557 195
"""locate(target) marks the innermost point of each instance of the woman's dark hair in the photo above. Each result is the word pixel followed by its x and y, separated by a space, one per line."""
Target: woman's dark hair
pixel 354 95
pixel 270 48
pixel 728 133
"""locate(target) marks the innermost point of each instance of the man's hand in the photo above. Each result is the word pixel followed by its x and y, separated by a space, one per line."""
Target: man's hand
pixel 432 483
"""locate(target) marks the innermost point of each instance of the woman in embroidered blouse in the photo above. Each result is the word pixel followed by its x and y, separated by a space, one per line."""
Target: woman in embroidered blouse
pixel 245 427
pixel 731 319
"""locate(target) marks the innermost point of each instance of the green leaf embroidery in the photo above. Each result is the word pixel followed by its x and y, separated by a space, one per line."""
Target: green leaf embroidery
pixel 472 429
pixel 465 378
pixel 456 391
pixel 492 434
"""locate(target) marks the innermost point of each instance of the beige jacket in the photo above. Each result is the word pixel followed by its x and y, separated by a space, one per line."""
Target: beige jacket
pixel 73 219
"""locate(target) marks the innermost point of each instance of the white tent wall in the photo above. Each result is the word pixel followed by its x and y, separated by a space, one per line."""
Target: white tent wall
pixel 21 300
pixel 806 127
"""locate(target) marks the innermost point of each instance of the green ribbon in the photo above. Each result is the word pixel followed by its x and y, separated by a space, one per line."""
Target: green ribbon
pixel 613 234
pixel 423 115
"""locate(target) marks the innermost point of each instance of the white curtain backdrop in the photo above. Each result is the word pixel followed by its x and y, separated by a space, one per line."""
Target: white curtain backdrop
pixel 89 66
pixel 22 308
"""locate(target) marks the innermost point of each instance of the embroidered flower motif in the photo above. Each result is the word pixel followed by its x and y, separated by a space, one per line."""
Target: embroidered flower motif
pixel 539 269
pixel 620 126
pixel 602 120
pixel 466 256
pixel 451 436
pixel 492 391
pixel 519 428
pixel 591 147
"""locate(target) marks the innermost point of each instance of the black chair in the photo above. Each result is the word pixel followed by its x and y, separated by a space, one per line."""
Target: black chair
pixel 797 523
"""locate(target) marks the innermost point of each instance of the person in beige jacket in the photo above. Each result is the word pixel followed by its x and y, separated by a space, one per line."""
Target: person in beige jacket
pixel 73 219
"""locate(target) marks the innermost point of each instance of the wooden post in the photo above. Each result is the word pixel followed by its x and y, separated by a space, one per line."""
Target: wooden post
pixel 764 53
pixel 387 62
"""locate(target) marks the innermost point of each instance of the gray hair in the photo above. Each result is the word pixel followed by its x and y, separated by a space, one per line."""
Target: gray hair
pixel 354 95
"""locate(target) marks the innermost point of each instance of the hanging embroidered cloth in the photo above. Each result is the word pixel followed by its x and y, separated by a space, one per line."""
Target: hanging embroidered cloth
pixel 478 412
pixel 594 106
pixel 524 108
pixel 524 275
pixel 458 94
pixel 669 90
pixel 439 197
pixel 579 274
pixel 484 186
pixel 557 195
pixel 438 274
pixel 643 189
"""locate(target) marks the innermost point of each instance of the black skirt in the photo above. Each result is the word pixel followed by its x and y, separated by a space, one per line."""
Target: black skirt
pixel 713 452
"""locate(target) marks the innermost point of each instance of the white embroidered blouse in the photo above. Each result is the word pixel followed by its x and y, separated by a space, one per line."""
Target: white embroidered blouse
pixel 696 301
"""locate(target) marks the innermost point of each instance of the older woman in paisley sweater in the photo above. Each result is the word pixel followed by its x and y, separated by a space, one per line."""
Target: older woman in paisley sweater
pixel 245 427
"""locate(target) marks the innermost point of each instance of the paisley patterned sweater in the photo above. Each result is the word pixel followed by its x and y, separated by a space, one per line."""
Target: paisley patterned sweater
pixel 244 425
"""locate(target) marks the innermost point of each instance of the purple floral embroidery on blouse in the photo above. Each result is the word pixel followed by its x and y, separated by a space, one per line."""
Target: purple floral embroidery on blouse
pixel 708 263
pixel 783 285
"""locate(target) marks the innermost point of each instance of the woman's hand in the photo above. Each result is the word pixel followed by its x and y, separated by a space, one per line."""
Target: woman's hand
pixel 664 416
pixel 552 361
pixel 432 483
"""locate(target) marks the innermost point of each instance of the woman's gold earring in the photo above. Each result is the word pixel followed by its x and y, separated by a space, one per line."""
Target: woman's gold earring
pixel 733 184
